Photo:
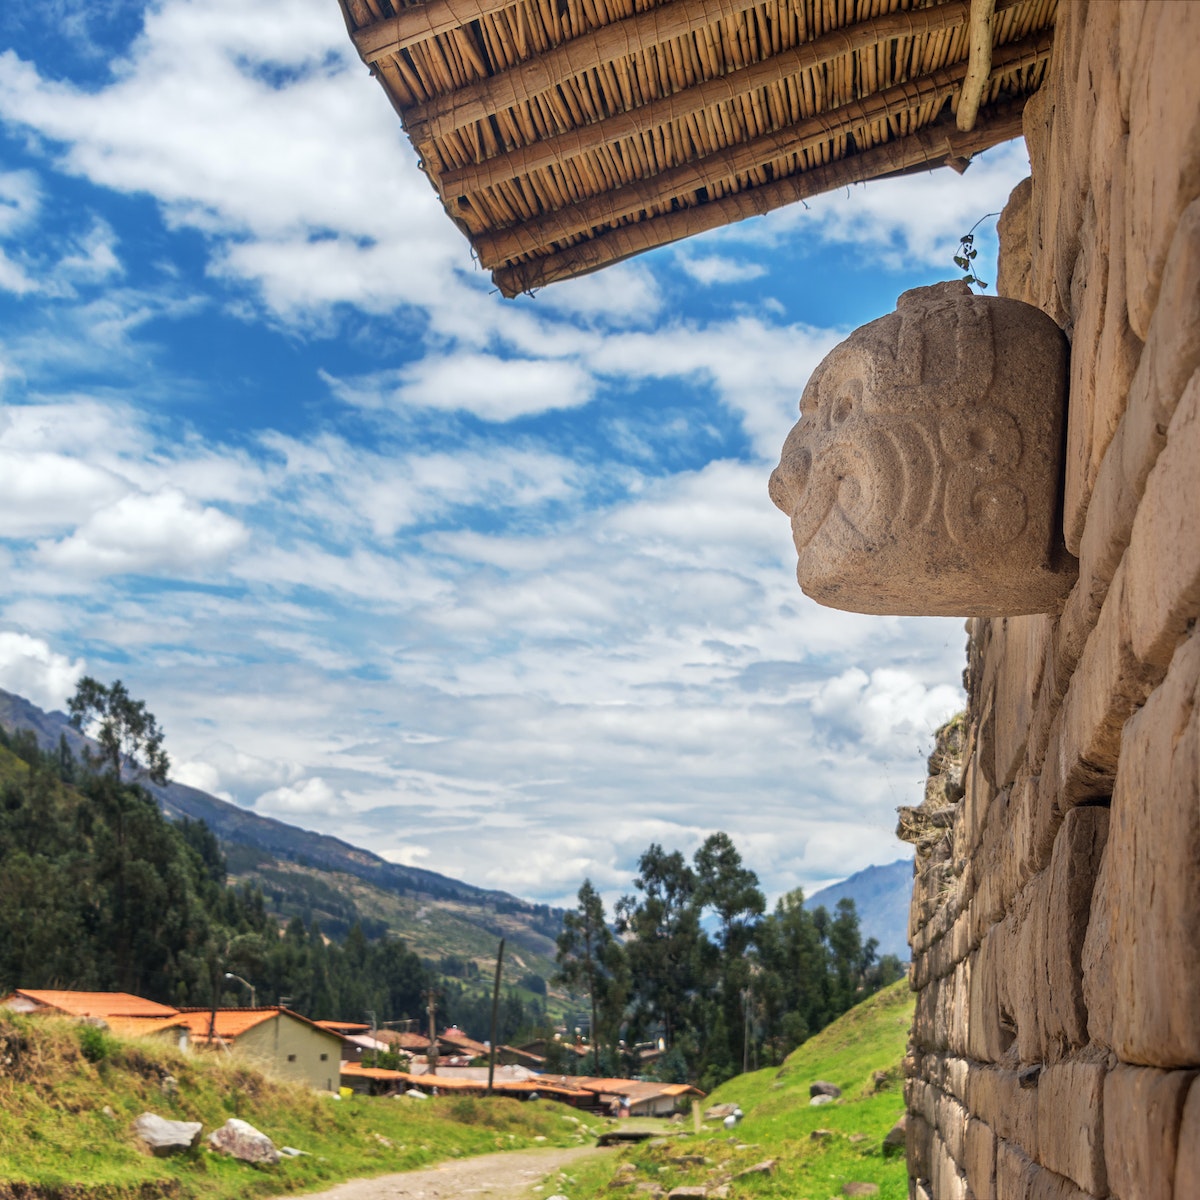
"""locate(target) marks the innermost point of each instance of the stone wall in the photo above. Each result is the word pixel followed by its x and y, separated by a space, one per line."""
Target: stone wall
pixel 1055 920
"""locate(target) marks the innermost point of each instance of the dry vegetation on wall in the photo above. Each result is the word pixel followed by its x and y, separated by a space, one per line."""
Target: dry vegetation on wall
pixel 1055 918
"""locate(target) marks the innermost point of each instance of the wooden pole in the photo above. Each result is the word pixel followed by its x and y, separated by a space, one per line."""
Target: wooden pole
pixel 979 63
pixel 432 1056
pixel 420 22
pixel 495 1015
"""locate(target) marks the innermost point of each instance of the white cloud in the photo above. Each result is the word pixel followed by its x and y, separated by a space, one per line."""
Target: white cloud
pixel 708 269
pixel 492 388
pixel 20 200
pixel 30 668
pixel 162 531
pixel 44 492
pixel 305 798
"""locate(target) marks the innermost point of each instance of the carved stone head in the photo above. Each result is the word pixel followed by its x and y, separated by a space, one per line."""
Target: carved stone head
pixel 924 474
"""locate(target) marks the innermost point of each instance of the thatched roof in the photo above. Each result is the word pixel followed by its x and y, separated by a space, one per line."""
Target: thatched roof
pixel 565 135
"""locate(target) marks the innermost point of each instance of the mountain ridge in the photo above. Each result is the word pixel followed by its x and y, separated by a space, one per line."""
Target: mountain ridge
pixel 881 896
pixel 280 842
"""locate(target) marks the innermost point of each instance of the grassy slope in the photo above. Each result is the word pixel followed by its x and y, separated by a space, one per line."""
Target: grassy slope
pixel 65 1122
pixel 779 1121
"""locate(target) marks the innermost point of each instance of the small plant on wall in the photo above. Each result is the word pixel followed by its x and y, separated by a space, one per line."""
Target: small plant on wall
pixel 967 253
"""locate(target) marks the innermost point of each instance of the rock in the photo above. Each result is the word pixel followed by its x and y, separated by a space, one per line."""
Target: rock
pixel 169 1085
pixel 241 1140
pixel 966 394
pixel 879 1080
pixel 625 1171
pixel 718 1112
pixel 162 1137
pixel 818 1135
pixel 720 1192
pixel 292 1152
pixel 687 1193
pixel 766 1167
pixel 821 1100
pixel 860 1189
pixel 896 1138
pixel 822 1087
pixel 108 1112
pixel 414 1094
pixel 689 1160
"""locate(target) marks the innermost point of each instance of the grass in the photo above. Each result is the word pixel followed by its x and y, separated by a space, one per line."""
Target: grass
pixel 780 1123
pixel 69 1093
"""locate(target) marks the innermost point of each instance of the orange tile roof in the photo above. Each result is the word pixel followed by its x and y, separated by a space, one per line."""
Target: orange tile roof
pixel 347 1026
pixel 231 1023
pixel 129 1027
pixel 445 1084
pixel 98 1004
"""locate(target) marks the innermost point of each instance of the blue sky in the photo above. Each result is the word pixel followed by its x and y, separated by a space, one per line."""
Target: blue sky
pixel 491 587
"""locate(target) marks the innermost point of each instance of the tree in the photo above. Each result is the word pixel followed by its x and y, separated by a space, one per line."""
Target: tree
pixel 125 730
pixel 730 890
pixel 591 960
pixel 670 958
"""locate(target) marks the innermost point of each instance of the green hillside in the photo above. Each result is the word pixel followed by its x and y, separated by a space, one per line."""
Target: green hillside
pixel 69 1093
pixel 780 1123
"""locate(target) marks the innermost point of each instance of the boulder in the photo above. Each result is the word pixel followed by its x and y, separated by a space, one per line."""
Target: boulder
pixel 241 1140
pixel 162 1137
pixel 897 1137
pixel 718 1112
pixel 822 1087
pixel 766 1167
pixel 687 1193
pixel 821 1100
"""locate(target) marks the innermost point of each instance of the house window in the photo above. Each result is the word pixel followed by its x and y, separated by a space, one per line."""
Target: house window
pixel 324 1057
pixel 291 1058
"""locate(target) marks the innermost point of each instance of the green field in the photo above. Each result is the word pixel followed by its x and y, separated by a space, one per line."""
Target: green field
pixel 69 1093
pixel 780 1124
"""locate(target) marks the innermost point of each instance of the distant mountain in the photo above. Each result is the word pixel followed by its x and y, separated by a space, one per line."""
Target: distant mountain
pixel 881 895
pixel 317 876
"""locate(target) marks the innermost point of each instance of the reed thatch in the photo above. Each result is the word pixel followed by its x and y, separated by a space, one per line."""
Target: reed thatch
pixel 564 135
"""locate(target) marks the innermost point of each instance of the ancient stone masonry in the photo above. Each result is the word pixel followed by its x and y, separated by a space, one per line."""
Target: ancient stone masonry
pixel 1055 920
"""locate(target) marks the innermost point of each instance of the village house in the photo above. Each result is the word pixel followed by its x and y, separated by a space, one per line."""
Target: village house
pixel 126 1015
pixel 275 1039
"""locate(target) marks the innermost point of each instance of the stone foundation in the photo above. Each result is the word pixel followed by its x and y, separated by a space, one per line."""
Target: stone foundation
pixel 1055 918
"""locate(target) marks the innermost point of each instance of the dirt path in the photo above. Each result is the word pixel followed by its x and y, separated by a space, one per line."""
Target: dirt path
pixel 510 1175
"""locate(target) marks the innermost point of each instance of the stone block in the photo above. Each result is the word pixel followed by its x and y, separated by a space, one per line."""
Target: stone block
pixel 1014 1116
pixel 947 1182
pixel 1143 1112
pixel 1017 839
pixel 1163 580
pixel 1141 960
pixel 1071 1123
pixel 1170 358
pixel 1014 1172
pixel 980 1164
pixel 1089 286
pixel 1074 866
pixel 1018 679
pixel 919 1146
pixel 959 1016
pixel 923 475
pixel 1164 147
pixel 987 1039
pixel 952 1126
pixel 1108 685
pixel 1187 1160
pixel 1016 257
pixel 1046 1185
pixel 1026 955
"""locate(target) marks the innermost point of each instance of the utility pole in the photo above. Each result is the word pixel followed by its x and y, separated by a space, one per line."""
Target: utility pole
pixel 495 1014
pixel 432 1057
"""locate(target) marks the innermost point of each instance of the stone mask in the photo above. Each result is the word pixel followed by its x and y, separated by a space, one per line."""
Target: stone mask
pixel 924 474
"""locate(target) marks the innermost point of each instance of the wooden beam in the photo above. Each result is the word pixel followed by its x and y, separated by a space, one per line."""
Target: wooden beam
pixel 931 146
pixel 419 23
pixel 979 62
pixel 507 89
pixel 494 248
